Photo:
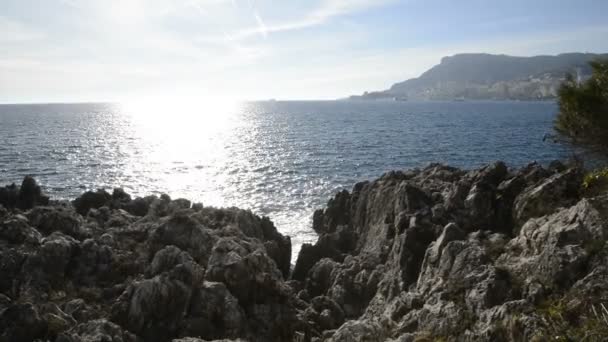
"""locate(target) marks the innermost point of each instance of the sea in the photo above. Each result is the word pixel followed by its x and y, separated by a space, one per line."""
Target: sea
pixel 280 159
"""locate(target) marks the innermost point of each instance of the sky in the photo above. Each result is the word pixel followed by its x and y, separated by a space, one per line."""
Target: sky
pixel 117 50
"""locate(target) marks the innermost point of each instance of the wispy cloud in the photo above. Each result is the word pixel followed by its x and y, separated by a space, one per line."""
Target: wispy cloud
pixel 327 10
pixel 262 28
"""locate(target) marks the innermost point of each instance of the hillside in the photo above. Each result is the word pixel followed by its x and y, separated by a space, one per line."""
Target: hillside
pixel 486 76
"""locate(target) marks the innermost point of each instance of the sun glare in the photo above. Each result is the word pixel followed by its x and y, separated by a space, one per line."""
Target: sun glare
pixel 185 113
pixel 180 131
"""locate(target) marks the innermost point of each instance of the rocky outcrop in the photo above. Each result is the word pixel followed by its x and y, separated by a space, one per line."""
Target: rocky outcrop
pixel 110 268
pixel 439 253
pixel 446 254
pixel 28 195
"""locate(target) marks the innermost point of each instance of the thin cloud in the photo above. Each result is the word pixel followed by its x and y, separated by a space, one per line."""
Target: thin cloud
pixel 262 28
pixel 327 10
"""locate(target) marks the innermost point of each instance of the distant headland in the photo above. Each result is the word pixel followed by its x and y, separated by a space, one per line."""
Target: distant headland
pixel 480 76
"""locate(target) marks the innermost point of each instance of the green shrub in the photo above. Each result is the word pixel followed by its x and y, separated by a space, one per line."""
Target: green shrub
pixel 583 108
pixel 574 324
pixel 596 182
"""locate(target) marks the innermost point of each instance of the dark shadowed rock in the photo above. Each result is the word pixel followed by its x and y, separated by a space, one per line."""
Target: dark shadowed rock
pixel 27 196
pixel 214 313
pixel 17 230
pixel 9 195
pixel 91 200
pixel 30 194
pixel 186 233
pixel 21 323
pixel 50 219
pixel 97 331
pixel 154 308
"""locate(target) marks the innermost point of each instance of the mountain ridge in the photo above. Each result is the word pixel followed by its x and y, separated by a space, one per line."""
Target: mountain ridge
pixel 486 76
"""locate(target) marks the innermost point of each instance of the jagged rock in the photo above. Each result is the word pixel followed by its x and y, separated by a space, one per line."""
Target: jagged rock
pixel 47 267
pixel 17 230
pixel 79 310
pixel 336 214
pixel 5 302
pixel 57 321
pixel 430 254
pixel 138 206
pixel 277 246
pixel 91 200
pixel 154 308
pixel 363 330
pixel 169 257
pixel 248 273
pixel 30 194
pixel 21 323
pixel 9 195
pixel 214 313
pixel 480 203
pixel 559 190
pixel 91 263
pixel 184 232
pixel 50 219
pixel 491 174
pixel 326 313
pixel 328 246
pixel 97 331
pixel 554 248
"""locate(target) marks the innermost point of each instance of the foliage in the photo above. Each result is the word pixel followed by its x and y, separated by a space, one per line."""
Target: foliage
pixel 583 107
pixel 566 323
pixel 426 336
pixel 596 182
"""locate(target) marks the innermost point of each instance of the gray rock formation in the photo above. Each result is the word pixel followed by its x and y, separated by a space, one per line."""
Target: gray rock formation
pixel 444 254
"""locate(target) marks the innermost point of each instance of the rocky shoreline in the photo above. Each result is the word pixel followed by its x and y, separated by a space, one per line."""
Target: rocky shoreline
pixel 436 254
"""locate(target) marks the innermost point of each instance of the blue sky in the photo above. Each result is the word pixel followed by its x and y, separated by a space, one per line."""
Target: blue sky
pixel 94 50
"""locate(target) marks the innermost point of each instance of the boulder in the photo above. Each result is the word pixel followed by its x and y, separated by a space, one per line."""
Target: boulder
pixel 554 249
pixel 17 230
pixel 184 232
pixel 546 196
pixel 91 200
pixel 21 323
pixel 214 313
pixel 249 274
pixel 50 219
pixel 155 308
pixel 30 194
pixel 46 269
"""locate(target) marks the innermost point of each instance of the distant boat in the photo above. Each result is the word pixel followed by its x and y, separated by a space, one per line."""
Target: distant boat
pixel 459 99
pixel 402 99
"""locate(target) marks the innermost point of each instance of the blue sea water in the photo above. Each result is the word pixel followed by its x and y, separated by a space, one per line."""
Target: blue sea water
pixel 280 159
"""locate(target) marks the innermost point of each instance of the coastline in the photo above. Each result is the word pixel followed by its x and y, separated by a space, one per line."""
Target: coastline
pixel 433 253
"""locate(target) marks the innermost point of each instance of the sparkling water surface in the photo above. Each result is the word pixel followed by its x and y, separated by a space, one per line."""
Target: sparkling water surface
pixel 279 159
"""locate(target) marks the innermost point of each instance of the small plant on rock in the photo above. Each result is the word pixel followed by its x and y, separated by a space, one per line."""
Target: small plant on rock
pixel 596 182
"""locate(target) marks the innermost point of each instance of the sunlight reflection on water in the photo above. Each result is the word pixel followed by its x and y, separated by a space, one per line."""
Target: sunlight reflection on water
pixel 282 159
